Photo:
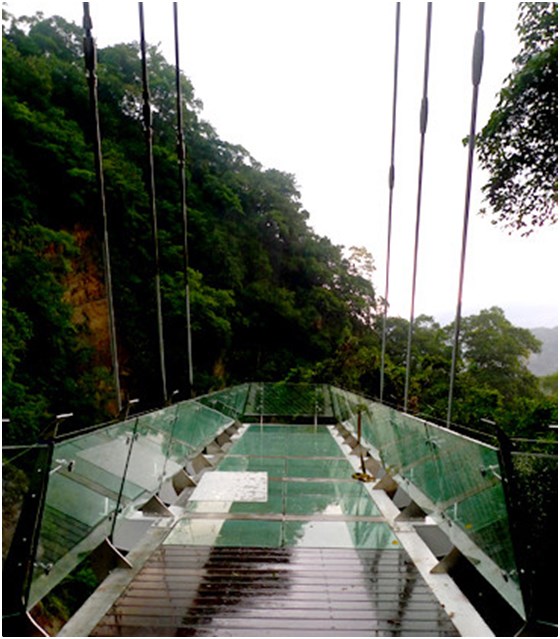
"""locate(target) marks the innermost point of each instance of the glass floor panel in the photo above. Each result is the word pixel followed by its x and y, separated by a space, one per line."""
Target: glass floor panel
pixel 312 500
pixel 282 441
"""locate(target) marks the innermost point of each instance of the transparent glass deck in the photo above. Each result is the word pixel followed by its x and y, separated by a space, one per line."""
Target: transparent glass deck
pixel 112 470
pixel 311 499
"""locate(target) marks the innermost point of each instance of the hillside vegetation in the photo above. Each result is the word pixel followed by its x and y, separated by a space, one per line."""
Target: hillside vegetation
pixel 270 299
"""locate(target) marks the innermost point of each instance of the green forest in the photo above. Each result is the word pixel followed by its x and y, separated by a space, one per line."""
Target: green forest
pixel 270 299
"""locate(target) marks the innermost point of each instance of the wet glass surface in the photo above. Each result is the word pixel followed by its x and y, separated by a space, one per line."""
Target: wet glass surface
pixel 312 500
pixel 314 558
pixel 291 591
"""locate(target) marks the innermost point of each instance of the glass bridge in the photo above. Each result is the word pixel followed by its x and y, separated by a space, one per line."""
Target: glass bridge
pixel 279 509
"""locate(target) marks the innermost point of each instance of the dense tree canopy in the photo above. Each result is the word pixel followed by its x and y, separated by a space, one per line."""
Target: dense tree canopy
pixel 267 294
pixel 270 299
pixel 519 144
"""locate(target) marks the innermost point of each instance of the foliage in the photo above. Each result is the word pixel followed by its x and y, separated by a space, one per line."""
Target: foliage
pixel 549 385
pixel 56 608
pixel 267 294
pixel 519 144
pixel 494 382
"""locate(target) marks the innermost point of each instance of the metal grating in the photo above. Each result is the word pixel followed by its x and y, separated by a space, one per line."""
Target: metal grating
pixel 210 591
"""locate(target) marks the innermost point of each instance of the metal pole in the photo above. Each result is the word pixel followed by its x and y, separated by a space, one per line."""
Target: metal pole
pixel 91 65
pixel 183 195
pixel 149 133
pixel 391 190
pixel 477 62
pixel 423 127
pixel 123 479
pixel 20 562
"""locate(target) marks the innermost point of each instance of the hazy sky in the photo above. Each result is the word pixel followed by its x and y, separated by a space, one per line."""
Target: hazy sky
pixel 306 87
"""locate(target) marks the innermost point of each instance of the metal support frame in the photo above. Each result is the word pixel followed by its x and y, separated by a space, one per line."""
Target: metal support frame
pixel 20 562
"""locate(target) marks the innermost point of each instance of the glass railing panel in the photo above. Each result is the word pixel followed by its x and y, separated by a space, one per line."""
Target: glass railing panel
pixel 101 464
pixel 484 518
pixel 381 429
pixel 253 405
pixel 69 497
pixel 286 399
pixel 118 466
pixel 147 464
pixel 72 512
pixel 97 459
pixel 196 424
pixel 344 404
pixel 231 401
pixel 325 401
pixel 464 466
pixel 179 451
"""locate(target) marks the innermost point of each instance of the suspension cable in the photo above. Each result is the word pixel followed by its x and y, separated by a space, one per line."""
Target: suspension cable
pixel 149 133
pixel 423 127
pixel 477 62
pixel 391 190
pixel 91 64
pixel 183 204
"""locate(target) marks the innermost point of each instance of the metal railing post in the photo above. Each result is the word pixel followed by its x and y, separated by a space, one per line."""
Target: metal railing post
pixel 123 479
pixel 20 562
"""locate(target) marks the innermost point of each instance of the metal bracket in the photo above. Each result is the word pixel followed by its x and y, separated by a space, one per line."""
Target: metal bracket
pixel 105 558
pixel 388 484
pixel 223 438
pixel 231 430
pixel 445 564
pixel 198 464
pixel 412 511
pixel 181 481
pixel 154 506
pixel 213 448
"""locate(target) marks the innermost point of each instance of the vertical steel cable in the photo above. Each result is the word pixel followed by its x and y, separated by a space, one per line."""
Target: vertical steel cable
pixel 91 64
pixel 477 62
pixel 391 190
pixel 423 127
pixel 149 132
pixel 183 196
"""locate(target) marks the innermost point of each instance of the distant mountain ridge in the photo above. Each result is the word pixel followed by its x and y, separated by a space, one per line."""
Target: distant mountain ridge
pixel 545 362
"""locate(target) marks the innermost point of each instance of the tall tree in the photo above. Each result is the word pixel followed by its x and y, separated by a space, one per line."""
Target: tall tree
pixel 519 144
pixel 494 381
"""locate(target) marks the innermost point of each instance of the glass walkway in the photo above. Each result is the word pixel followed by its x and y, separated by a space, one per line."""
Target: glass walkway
pixel 295 489
pixel 279 539
pixel 253 490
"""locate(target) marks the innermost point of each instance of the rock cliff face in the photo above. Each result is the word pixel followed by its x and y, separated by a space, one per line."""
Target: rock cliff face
pixel 87 295
pixel 85 292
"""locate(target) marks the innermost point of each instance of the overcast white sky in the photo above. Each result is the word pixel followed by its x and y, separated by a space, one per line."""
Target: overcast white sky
pixel 306 87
